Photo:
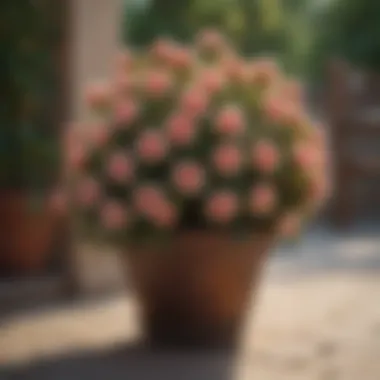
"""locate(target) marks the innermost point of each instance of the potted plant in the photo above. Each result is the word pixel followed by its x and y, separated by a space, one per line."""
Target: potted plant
pixel 30 218
pixel 29 149
pixel 195 162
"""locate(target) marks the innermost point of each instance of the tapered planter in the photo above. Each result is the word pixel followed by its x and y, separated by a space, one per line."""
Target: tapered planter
pixel 195 291
pixel 26 236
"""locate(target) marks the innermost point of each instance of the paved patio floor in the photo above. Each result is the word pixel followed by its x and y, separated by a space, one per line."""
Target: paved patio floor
pixel 317 317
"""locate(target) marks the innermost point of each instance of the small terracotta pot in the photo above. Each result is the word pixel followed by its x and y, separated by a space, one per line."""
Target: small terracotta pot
pixel 195 291
pixel 26 236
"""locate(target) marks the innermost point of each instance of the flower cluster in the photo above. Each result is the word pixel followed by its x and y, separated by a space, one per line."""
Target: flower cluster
pixel 196 137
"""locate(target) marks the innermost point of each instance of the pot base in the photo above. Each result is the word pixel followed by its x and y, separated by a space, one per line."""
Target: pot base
pixel 168 330
pixel 195 292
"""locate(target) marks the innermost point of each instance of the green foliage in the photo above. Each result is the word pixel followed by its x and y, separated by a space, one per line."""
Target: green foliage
pixel 28 155
pixel 349 29
pixel 158 17
pixel 275 27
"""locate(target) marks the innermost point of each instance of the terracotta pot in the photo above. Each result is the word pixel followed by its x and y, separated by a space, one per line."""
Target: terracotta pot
pixel 26 236
pixel 194 292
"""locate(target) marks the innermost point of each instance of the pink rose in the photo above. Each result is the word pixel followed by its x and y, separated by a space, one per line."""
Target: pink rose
pixel 151 147
pixel 222 207
pixel 262 199
pixel 283 110
pixel 126 112
pixel 265 157
pixel 146 198
pixel 158 83
pixel 227 159
pixel 236 70
pixel 230 121
pixel 212 81
pixel 120 167
pixel 150 202
pixel 163 50
pixel 172 54
pixel 181 58
pixel 98 95
pixel 181 129
pixel 211 40
pixel 189 177
pixel 99 135
pixel 164 215
pixel 307 156
pixel 113 215
pixel 295 116
pixel 194 102
pixel 277 108
pixel 88 192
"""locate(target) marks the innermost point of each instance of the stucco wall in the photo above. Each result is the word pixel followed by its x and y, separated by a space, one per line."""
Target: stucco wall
pixel 94 41
pixel 95 30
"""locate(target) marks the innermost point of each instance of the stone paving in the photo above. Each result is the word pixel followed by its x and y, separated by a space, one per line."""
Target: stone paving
pixel 317 317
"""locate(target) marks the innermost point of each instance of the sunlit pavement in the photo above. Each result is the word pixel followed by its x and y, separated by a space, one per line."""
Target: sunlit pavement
pixel 317 316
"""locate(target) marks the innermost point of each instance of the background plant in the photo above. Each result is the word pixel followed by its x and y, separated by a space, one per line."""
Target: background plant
pixel 276 27
pixel 29 148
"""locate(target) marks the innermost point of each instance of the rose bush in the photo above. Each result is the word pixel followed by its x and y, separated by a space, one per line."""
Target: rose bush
pixel 196 137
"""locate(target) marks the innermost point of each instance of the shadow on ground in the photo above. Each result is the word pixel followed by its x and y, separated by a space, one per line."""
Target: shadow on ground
pixel 129 362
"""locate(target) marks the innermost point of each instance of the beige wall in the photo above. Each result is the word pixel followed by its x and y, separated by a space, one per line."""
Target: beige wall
pixel 94 42
pixel 95 28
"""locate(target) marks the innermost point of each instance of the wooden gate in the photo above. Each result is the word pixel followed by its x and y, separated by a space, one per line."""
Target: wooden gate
pixel 354 113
